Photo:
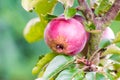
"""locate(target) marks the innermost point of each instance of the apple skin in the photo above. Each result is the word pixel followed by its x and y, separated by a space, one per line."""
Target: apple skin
pixel 66 36
pixel 108 34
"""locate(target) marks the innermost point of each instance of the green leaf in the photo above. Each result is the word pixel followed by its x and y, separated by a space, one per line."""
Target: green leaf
pixel 71 74
pixel 79 75
pixel 103 7
pixel 66 74
pixel 40 74
pixel 67 3
pixel 104 43
pixel 117 69
pixel 26 4
pixel 43 7
pixel 115 57
pixel 89 26
pixel 90 76
pixel 41 56
pixel 34 30
pixel 118 17
pixel 49 17
pixel 69 12
pixel 59 63
pixel 117 66
pixel 110 77
pixel 94 76
pixel 100 76
pixel 112 49
pixel 117 38
pixel 42 62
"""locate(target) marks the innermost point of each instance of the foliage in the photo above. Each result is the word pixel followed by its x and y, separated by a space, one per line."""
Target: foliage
pixel 62 67
pixel 69 12
pixel 42 63
pixel 33 31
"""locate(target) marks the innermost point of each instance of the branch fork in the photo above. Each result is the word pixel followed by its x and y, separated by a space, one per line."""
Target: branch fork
pixel 100 22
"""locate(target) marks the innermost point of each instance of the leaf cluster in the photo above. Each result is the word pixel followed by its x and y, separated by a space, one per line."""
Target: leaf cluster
pixel 61 67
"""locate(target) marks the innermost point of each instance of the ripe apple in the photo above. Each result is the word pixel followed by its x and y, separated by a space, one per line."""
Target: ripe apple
pixel 66 36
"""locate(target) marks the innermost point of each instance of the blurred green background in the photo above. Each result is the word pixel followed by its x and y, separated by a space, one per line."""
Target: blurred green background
pixel 17 57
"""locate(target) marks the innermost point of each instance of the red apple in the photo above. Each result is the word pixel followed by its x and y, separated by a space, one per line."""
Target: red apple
pixel 66 36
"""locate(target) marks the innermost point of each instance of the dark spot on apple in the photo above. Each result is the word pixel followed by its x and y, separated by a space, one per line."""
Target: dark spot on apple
pixel 59 47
